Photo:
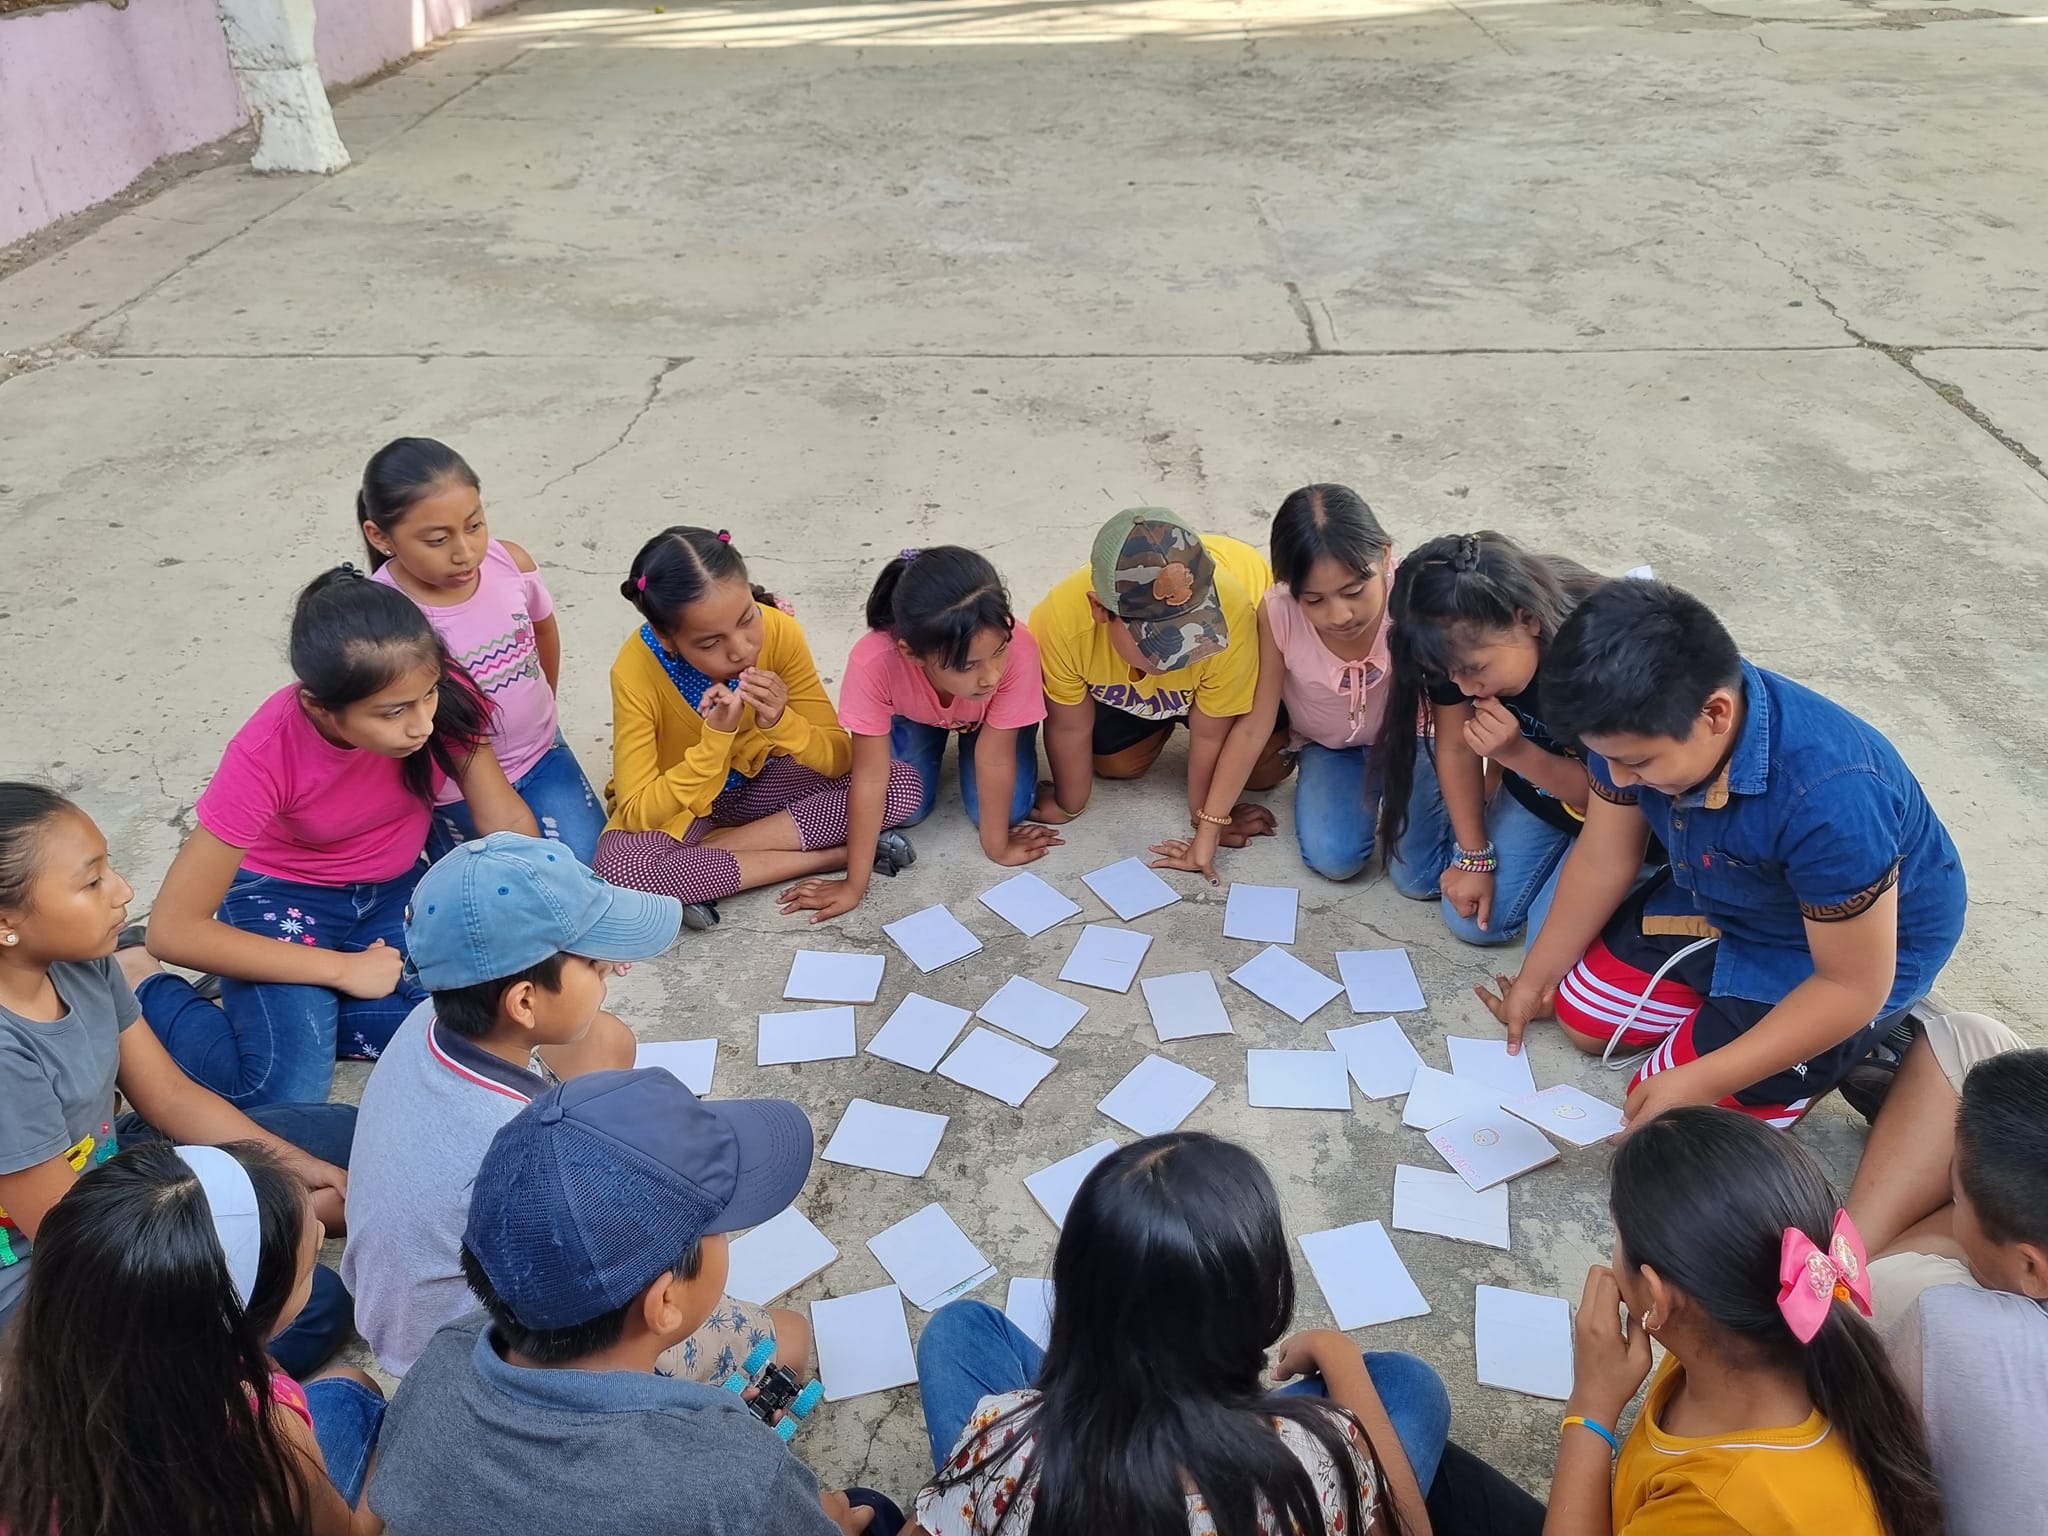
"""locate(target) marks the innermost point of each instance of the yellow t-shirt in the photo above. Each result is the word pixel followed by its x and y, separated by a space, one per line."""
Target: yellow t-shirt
pixel 1794 1481
pixel 1079 661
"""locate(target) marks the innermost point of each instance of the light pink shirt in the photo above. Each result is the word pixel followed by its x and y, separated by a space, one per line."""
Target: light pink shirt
pixel 881 683
pixel 491 633
pixel 1330 701
pixel 308 810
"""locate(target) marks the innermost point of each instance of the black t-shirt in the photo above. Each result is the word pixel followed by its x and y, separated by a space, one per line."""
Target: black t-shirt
pixel 1539 803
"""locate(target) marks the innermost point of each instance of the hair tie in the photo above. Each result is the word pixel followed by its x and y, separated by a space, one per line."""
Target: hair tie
pixel 640 583
pixel 724 537
pixel 1467 557
pixel 231 1202
pixel 908 555
pixel 1810 1281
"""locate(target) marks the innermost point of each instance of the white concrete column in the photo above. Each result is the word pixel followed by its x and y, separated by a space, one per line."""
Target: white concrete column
pixel 270 45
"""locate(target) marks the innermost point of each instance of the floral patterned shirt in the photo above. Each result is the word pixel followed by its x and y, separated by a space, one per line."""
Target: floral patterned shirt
pixel 1000 1479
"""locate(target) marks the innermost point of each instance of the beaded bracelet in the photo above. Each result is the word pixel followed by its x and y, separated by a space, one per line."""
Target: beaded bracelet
pixel 1480 861
pixel 1214 821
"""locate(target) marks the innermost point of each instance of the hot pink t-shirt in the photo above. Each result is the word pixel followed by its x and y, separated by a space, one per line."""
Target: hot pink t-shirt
pixel 881 683
pixel 1330 701
pixel 308 810
pixel 491 633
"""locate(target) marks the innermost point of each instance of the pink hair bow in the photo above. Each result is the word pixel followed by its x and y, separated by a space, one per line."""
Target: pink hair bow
pixel 1811 1281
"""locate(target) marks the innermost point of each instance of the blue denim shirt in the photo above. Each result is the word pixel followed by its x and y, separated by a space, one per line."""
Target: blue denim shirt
pixel 1815 817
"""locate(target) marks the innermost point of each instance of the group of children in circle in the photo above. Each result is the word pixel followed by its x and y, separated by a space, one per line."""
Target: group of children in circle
pixel 1758 893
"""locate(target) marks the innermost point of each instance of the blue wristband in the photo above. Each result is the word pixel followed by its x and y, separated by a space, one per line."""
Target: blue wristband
pixel 1613 1445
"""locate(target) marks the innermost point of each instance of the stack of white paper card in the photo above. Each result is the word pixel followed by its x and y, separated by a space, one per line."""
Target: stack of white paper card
pixel 690 1061
pixel 1032 1012
pixel 1379 980
pixel 1430 1200
pixel 931 938
pixel 1276 977
pixel 1001 1068
pixel 863 1343
pixel 1523 1342
pixel 1106 957
pixel 777 1256
pixel 1361 1276
pixel 1568 1113
pixel 886 1138
pixel 1382 1062
pixel 1055 1186
pixel 931 1260
pixel 1262 913
pixel 1491 1147
pixel 827 976
pixel 1028 904
pixel 1130 888
pixel 1185 1004
pixel 1029 1306
pixel 919 1032
pixel 1487 1063
pixel 1297 1080
pixel 1437 1097
pixel 1156 1096
pixel 809 1034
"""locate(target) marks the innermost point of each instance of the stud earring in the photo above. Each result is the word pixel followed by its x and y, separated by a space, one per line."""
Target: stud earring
pixel 1648 1326
pixel 13 938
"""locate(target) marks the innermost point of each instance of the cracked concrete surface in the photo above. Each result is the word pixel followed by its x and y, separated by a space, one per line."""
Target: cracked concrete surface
pixel 1750 291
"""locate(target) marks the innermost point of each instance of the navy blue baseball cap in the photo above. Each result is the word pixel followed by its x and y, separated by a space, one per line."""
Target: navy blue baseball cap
pixel 604 1181
pixel 502 904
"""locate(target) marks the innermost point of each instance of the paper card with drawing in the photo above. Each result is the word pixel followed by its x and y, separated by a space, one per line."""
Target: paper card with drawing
pixel 1491 1147
pixel 1568 1113
pixel 930 1258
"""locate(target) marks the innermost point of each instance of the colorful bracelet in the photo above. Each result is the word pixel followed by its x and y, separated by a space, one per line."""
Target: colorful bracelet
pixel 1613 1445
pixel 1477 861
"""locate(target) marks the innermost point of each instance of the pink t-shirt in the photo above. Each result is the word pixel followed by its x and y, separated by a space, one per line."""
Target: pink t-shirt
pixel 1330 701
pixel 881 683
pixel 491 633
pixel 308 810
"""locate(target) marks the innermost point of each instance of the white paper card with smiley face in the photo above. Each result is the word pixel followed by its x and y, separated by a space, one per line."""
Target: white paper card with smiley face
pixel 1568 1113
pixel 1491 1147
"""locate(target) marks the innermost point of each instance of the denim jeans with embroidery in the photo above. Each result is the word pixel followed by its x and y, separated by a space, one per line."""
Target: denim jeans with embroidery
pixel 1529 848
pixel 558 793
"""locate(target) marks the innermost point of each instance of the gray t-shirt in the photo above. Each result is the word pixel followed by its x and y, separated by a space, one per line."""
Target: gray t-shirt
pixel 1978 1363
pixel 475 1445
pixel 57 1089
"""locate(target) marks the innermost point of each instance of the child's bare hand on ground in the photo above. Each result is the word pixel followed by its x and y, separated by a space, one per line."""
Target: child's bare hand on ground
pixel 1025 843
pixel 1514 1006
pixel 823 899
pixel 1247 821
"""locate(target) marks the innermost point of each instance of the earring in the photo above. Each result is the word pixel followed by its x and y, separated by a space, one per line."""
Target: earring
pixel 1648 1326
pixel 13 938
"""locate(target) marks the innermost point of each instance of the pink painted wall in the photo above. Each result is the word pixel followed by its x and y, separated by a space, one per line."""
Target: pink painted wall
pixel 356 38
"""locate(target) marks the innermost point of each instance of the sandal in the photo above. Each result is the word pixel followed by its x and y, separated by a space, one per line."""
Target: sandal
pixel 893 854
pixel 698 916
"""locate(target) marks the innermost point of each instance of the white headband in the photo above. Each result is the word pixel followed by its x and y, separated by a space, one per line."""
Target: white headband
pixel 231 1200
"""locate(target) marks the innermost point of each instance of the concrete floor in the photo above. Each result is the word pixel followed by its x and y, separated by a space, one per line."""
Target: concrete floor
pixel 1752 292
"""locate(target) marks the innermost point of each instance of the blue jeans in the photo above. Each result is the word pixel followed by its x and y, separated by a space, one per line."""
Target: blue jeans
pixel 276 1042
pixel 328 1132
pixel 1333 818
pixel 1530 850
pixel 346 1418
pixel 969 1351
pixel 554 789
pixel 923 747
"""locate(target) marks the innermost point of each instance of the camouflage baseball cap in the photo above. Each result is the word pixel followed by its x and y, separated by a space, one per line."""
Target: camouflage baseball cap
pixel 1151 571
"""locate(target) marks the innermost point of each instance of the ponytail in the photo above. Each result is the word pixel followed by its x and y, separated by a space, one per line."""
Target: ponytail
pixel 400 475
pixel 1849 1377
pixel 937 601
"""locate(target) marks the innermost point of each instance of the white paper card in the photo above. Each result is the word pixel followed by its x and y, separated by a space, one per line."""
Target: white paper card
pixel 1491 1147
pixel 1297 1080
pixel 1430 1200
pixel 1185 1004
pixel 809 1034
pixel 919 1032
pixel 997 1066
pixel 1106 957
pixel 932 938
pixel 1156 1095
pixel 827 976
pixel 777 1256
pixel 691 1061
pixel 1130 888
pixel 1032 1012
pixel 930 1258
pixel 863 1343
pixel 1437 1097
pixel 1262 913
pixel 1274 975
pixel 886 1138
pixel 1568 1113
pixel 1028 904
pixel 1382 1062
pixel 1379 980
pixel 1488 1063
pixel 1054 1187
pixel 1029 1306
pixel 1362 1278
pixel 1523 1341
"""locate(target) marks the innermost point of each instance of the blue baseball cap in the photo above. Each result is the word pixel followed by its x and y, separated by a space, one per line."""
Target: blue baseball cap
pixel 604 1181
pixel 504 903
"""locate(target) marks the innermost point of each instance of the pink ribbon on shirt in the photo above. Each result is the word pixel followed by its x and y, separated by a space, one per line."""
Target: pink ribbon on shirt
pixel 1810 1281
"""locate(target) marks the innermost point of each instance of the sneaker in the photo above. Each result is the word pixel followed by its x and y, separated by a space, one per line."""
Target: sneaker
pixel 1869 1082
pixel 893 854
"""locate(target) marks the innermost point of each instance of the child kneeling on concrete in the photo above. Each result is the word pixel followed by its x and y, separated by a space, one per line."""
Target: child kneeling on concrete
pixel 596 1242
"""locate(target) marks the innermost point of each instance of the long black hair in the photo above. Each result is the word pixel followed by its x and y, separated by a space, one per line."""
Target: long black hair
pixel 1447 592
pixel 25 809
pixel 400 475
pixel 937 600
pixel 1703 1196
pixel 677 567
pixel 352 636
pixel 1173 1280
pixel 1325 522
pixel 135 1392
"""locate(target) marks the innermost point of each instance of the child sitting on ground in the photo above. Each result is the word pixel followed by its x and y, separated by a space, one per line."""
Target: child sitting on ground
pixel 516 942
pixel 597 1244
pixel 1813 894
